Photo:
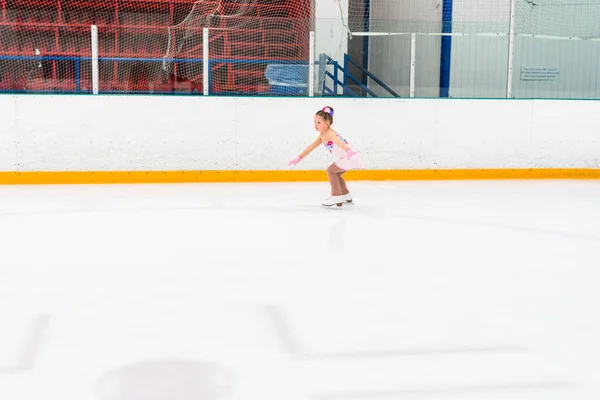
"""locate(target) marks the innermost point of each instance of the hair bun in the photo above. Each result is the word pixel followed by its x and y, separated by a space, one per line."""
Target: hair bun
pixel 328 110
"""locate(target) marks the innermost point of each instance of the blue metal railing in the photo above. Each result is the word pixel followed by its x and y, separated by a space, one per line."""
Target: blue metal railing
pixel 326 60
pixel 78 60
pixel 347 76
pixel 347 60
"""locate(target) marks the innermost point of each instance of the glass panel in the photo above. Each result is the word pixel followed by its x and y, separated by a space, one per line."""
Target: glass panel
pixel 261 47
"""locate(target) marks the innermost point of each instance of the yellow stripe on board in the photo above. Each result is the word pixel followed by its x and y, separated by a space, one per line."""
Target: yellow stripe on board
pixel 84 177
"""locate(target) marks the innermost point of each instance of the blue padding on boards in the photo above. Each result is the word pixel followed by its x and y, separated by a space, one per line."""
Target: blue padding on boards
pixel 446 49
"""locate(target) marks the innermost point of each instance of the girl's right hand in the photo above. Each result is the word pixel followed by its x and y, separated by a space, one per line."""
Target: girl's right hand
pixel 350 153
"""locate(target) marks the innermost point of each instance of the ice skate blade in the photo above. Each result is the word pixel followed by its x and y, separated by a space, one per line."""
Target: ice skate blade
pixel 331 205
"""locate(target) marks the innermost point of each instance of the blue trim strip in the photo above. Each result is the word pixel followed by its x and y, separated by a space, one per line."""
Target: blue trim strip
pixel 77 76
pixel 211 63
pixel 446 51
pixel 123 59
pixel 210 77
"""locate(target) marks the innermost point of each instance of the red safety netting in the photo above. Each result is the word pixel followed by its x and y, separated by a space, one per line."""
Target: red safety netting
pixel 151 46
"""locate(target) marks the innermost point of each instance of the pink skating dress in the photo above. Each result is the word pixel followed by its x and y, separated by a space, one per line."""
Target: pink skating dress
pixel 341 157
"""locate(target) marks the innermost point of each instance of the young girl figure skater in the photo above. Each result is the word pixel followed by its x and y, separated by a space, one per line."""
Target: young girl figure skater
pixel 346 157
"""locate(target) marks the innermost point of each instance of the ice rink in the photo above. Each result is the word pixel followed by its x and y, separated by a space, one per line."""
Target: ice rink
pixel 420 290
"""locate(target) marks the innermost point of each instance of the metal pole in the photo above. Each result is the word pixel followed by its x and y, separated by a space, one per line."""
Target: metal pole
pixel 511 49
pixel 205 63
pixel 413 56
pixel 311 64
pixel 95 75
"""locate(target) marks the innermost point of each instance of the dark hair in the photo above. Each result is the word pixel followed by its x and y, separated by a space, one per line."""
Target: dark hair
pixel 327 114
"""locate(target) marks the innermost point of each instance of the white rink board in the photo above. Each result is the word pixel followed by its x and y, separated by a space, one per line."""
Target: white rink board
pixel 155 133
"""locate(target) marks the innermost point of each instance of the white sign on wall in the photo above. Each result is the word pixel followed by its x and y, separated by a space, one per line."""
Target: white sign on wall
pixel 539 74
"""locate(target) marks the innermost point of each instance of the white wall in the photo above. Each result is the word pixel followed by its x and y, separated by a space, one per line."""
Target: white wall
pixel 389 56
pixel 105 133
pixel 331 33
pixel 479 65
pixel 577 61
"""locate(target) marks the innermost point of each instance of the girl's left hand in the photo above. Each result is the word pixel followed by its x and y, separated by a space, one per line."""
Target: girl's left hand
pixel 294 161
pixel 350 153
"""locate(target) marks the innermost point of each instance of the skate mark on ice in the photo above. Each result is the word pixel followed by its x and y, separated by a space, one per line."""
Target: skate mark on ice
pixel 294 348
pixel 238 207
pixel 498 225
pixel 460 351
pixel 448 390
pixel 381 214
pixel 26 361
pixel 289 342
pixel 366 211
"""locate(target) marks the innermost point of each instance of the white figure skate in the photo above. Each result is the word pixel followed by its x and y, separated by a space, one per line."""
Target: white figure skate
pixel 333 200
pixel 337 200
pixel 347 198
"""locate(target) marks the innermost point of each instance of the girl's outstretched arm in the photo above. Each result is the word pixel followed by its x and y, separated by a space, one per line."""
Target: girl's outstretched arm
pixel 310 148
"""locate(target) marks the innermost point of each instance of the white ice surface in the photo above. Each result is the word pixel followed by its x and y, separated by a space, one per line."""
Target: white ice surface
pixel 420 290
